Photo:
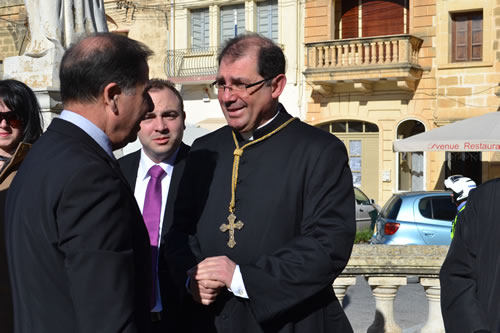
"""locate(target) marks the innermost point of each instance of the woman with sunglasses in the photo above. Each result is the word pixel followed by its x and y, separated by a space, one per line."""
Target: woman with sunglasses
pixel 20 126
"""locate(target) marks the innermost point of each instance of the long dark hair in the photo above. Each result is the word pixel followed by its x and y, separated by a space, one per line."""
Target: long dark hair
pixel 20 99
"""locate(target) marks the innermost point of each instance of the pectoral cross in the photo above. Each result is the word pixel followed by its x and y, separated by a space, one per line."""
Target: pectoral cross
pixel 231 226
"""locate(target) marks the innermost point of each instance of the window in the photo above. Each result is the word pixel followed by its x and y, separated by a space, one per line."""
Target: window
pixel 200 37
pixel 391 209
pixel 232 21
pixel 369 18
pixel 267 19
pixel 438 208
pixel 355 161
pixel 360 197
pixel 467 37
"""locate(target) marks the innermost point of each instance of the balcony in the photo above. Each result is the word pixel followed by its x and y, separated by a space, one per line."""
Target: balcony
pixel 191 66
pixel 364 64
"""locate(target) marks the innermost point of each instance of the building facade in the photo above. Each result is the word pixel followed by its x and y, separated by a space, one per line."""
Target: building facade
pixel 186 36
pixel 379 71
pixel 14 34
pixel 199 29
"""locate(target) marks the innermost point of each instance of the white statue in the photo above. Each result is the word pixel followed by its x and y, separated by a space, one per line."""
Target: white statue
pixel 58 23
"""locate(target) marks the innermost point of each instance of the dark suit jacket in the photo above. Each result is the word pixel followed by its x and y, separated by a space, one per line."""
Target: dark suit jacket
pixel 171 296
pixel 78 251
pixel 470 274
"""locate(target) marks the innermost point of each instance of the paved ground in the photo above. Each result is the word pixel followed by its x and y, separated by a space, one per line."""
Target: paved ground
pixel 410 306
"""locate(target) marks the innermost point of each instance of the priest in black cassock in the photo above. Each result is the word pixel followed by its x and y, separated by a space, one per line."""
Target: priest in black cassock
pixel 265 212
pixel 470 275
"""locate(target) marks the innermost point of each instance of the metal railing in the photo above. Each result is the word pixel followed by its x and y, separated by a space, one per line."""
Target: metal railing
pixel 191 62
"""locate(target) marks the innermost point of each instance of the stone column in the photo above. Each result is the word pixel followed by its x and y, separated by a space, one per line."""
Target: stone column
pixel 434 322
pixel 340 286
pixel 50 104
pixel 384 290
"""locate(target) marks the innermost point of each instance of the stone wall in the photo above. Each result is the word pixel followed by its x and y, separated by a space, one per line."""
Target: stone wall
pixel 13 29
pixel 445 92
pixel 143 20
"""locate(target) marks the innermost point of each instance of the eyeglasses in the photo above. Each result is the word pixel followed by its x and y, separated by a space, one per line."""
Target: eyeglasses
pixel 238 87
pixel 11 118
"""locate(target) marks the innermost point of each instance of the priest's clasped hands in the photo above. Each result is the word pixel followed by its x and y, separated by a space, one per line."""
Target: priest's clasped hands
pixel 209 277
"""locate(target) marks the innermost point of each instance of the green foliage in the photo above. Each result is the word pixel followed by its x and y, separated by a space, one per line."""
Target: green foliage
pixel 363 236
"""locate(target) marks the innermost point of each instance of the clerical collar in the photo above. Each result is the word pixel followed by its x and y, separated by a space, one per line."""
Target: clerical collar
pixel 249 136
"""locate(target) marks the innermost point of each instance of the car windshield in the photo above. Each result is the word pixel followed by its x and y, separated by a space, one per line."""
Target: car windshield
pixel 391 208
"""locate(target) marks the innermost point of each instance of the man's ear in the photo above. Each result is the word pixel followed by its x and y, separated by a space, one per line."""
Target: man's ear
pixel 277 85
pixel 111 94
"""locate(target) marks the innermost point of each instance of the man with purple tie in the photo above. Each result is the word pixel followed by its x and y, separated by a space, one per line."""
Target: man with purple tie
pixel 154 173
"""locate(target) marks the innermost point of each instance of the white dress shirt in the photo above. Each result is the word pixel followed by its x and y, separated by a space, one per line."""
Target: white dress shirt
pixel 141 185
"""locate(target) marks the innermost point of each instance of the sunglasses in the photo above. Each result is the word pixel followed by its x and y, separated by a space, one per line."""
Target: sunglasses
pixel 11 118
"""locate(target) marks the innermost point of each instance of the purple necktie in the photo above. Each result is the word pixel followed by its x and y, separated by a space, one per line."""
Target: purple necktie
pixel 151 214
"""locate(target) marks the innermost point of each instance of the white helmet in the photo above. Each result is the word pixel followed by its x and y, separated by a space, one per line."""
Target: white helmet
pixel 460 185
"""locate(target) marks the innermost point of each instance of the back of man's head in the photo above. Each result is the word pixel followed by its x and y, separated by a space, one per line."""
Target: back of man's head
pixel 95 61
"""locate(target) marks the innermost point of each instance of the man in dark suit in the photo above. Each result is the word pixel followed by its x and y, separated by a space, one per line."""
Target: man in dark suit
pixel 161 138
pixel 77 248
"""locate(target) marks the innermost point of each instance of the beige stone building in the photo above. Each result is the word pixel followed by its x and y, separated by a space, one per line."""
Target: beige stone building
pixel 143 20
pixel 378 71
pixel 14 33
pixel 185 36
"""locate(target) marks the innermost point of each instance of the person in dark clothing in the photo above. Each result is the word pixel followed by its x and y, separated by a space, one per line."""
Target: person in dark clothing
pixel 470 275
pixel 161 139
pixel 266 263
pixel 20 126
pixel 78 251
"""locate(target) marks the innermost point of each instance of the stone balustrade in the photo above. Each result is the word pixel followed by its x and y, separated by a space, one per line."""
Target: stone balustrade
pixel 386 267
pixel 363 51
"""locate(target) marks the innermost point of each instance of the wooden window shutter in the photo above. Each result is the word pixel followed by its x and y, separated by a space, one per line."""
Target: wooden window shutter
pixel 267 19
pixel 467 37
pixel 477 37
pixel 382 18
pixel 200 28
pixel 227 15
pixel 350 19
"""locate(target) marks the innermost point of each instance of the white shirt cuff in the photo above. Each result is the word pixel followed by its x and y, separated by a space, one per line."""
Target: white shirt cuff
pixel 237 285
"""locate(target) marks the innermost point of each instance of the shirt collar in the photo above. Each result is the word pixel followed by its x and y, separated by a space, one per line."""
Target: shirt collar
pixel 249 136
pixel 146 163
pixel 90 128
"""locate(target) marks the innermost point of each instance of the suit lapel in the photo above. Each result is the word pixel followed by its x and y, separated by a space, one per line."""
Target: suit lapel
pixel 130 165
pixel 174 185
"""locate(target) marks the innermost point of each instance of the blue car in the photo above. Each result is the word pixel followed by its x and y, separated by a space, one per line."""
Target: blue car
pixel 416 218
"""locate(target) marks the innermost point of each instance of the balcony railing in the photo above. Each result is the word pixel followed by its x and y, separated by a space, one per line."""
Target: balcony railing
pixel 364 60
pixel 398 49
pixel 193 64
pixel 386 268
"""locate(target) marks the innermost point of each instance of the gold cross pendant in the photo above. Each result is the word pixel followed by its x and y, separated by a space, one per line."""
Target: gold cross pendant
pixel 231 226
